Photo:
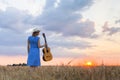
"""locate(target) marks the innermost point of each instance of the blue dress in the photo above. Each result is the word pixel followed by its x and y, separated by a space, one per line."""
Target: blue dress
pixel 34 52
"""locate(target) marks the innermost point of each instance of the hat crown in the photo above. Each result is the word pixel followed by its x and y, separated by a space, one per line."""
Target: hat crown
pixel 36 30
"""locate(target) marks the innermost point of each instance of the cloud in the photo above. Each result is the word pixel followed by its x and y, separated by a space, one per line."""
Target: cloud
pixel 63 19
pixel 111 30
pixel 13 24
pixel 69 43
pixel 82 29
pixel 11 38
pixel 114 30
pixel 14 19
pixel 105 27
pixel 33 7
pixel 12 43
pixel 117 21
pixel 66 18
pixel 13 50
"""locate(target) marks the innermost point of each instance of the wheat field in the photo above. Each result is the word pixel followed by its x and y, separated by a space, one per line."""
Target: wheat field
pixel 60 73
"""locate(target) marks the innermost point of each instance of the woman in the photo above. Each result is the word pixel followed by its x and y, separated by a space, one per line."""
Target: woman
pixel 33 46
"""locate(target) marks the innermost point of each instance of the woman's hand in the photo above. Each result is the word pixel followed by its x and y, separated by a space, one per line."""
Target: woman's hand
pixel 45 45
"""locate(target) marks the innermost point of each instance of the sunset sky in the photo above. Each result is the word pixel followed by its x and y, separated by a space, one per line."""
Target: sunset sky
pixel 76 30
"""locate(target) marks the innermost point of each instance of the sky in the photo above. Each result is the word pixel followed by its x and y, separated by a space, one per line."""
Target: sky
pixel 76 30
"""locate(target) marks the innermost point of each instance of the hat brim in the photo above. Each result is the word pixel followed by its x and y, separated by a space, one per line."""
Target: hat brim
pixel 37 31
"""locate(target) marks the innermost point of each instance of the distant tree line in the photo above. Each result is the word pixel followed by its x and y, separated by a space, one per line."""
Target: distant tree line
pixel 20 64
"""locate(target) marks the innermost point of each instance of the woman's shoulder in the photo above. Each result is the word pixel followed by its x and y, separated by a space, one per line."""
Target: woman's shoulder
pixel 36 37
pixel 29 37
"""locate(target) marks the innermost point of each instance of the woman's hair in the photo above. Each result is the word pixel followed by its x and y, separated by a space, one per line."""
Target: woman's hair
pixel 35 33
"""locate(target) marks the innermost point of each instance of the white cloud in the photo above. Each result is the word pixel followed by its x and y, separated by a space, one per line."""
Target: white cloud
pixel 64 18
pixel 34 7
pixel 2 6
pixel 14 19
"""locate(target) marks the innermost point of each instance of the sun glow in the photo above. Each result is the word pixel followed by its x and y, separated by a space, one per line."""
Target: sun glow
pixel 89 63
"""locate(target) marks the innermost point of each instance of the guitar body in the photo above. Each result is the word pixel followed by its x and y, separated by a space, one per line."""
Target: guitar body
pixel 47 54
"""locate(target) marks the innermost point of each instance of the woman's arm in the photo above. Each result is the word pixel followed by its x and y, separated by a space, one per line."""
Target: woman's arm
pixel 40 46
pixel 28 46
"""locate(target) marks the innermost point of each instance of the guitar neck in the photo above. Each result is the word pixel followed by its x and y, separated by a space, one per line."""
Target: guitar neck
pixel 45 40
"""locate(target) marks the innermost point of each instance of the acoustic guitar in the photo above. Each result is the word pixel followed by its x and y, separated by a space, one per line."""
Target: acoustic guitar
pixel 47 55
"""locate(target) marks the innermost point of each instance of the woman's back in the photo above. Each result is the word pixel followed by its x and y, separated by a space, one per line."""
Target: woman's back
pixel 33 41
pixel 34 53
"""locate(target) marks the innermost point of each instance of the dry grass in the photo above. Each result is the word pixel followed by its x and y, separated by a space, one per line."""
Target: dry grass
pixel 59 73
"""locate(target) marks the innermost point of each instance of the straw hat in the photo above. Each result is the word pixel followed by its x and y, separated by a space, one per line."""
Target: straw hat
pixel 36 30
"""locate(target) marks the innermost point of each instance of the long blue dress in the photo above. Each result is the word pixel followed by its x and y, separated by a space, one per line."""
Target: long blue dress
pixel 34 52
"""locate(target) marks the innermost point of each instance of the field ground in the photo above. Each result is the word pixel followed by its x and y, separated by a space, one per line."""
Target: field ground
pixel 60 73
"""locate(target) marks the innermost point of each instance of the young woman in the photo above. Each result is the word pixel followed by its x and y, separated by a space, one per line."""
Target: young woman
pixel 33 45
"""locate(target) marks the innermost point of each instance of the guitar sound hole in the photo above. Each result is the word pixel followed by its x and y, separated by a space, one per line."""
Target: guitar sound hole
pixel 47 51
